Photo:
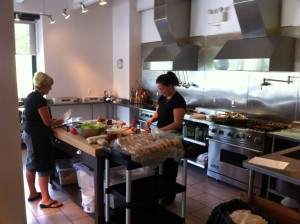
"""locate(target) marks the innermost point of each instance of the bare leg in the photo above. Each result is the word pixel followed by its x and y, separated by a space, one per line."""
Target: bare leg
pixel 30 176
pixel 46 199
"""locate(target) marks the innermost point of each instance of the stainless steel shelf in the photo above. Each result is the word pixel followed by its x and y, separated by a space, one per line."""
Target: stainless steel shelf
pixel 193 162
pixel 194 141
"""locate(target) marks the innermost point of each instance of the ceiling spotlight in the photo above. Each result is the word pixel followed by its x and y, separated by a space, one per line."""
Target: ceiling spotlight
pixel 65 14
pixel 51 19
pixel 83 8
pixel 102 2
pixel 17 17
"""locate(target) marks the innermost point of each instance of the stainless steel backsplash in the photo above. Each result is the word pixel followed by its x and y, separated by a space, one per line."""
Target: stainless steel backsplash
pixel 238 91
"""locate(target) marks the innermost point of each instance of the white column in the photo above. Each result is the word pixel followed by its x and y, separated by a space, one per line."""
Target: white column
pixel 12 204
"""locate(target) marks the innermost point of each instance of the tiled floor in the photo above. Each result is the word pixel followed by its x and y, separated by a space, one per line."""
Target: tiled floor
pixel 203 194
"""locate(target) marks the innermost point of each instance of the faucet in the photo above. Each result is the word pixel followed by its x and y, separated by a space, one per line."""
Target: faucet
pixel 265 83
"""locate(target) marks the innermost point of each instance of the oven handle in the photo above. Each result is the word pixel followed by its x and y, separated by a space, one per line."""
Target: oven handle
pixel 214 140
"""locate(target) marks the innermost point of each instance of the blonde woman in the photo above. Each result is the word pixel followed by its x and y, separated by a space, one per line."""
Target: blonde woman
pixel 37 137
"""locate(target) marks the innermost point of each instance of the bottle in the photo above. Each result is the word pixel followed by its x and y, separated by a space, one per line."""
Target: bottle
pixel 197 131
pixel 190 131
pixel 138 129
pixel 184 130
pixel 132 96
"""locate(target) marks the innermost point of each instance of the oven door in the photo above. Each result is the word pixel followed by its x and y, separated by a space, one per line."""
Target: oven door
pixel 225 162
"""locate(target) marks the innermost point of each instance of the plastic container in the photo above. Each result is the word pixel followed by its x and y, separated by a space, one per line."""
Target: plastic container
pixel 88 200
pixel 65 171
pixel 85 176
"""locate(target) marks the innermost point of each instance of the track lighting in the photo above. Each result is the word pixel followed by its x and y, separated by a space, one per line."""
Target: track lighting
pixel 102 2
pixel 65 14
pixel 17 17
pixel 51 19
pixel 83 8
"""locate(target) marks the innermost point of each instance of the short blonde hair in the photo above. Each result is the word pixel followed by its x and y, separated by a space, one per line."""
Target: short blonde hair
pixel 41 80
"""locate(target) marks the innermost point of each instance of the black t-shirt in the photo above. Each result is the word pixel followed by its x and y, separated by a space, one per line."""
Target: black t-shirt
pixel 32 103
pixel 165 109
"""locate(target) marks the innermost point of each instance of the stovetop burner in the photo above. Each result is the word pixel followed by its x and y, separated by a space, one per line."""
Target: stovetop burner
pixel 259 125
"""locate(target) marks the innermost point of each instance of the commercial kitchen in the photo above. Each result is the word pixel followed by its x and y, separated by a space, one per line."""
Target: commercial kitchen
pixel 237 63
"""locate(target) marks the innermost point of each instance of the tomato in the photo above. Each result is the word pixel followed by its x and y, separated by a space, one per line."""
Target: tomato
pixel 73 131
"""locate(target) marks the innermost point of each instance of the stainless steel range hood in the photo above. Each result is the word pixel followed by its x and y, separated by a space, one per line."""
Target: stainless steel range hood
pixel 261 48
pixel 172 19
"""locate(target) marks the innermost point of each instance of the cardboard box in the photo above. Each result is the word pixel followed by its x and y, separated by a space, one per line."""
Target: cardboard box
pixel 279 212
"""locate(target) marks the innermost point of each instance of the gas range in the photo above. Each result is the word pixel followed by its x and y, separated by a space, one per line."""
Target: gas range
pixel 232 143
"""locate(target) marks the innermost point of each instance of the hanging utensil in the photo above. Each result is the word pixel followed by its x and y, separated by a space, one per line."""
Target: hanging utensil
pixel 187 79
pixel 179 79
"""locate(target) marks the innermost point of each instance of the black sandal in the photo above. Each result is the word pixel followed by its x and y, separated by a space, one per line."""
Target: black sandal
pixel 51 205
pixel 39 195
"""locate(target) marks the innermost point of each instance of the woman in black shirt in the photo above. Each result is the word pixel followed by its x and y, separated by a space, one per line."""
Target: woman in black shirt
pixel 169 116
pixel 37 136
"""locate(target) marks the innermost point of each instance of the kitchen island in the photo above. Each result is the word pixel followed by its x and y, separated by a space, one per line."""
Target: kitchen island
pixel 92 156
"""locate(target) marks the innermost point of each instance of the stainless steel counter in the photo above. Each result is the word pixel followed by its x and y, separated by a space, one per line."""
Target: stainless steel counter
pixel 292 134
pixel 290 174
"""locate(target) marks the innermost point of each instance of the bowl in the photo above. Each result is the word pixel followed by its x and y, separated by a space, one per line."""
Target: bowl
pixel 89 132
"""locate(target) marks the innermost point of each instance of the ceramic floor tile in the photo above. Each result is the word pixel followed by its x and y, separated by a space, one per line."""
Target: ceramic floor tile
pixel 37 211
pixel 208 200
pixel 203 194
pixel 54 218
pixel 30 217
pixel 202 214
pixel 85 220
pixel 191 204
pixel 192 191
pixel 190 219
pixel 72 210
pixel 216 190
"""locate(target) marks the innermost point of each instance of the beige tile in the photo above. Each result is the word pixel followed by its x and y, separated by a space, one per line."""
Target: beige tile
pixel 30 217
pixel 85 220
pixel 191 205
pixel 72 210
pixel 54 218
pixel 208 200
pixel 203 194
pixel 190 219
pixel 217 190
pixel 37 211
pixel 192 191
pixel 202 214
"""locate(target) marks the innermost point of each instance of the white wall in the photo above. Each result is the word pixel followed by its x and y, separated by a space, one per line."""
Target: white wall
pixel 12 206
pixel 77 51
pixel 290 13
pixel 126 46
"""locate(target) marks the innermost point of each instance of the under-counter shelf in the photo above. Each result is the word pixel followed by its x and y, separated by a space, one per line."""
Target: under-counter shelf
pixel 143 196
pixel 147 189
pixel 195 141
pixel 147 215
pixel 195 163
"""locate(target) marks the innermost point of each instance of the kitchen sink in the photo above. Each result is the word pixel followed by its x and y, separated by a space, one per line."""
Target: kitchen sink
pixel 293 155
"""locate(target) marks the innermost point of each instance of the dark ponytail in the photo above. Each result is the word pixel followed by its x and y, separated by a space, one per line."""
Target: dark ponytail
pixel 168 79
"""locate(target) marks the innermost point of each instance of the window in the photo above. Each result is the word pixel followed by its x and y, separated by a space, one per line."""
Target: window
pixel 25 56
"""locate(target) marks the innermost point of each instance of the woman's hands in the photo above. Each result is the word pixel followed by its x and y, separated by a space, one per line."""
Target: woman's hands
pixel 153 118
pixel 148 123
pixel 58 121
